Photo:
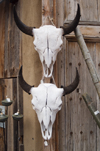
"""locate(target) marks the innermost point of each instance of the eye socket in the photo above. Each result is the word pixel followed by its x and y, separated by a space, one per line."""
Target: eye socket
pixel 60 47
pixel 60 106
pixel 34 45
pixel 33 106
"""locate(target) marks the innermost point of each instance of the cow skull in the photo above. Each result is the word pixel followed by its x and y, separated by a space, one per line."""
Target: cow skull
pixel 46 101
pixel 47 40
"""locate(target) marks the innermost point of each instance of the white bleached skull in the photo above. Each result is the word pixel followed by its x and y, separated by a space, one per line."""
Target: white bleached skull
pixel 46 102
pixel 48 40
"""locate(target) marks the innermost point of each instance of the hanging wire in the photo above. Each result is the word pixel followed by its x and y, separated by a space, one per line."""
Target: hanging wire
pixel 51 20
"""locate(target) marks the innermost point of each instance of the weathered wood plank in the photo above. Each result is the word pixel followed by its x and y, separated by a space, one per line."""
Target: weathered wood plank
pixel 9 94
pixel 79 125
pixel 6 40
pixel 12 43
pixel 32 72
pixel 89 10
pixel 49 17
pixel 1 140
pixel 2 90
pixel 2 31
pixel 47 12
pixel 21 147
pixel 69 9
pixel 98 101
pixel 15 109
pixel 20 107
pixel 88 31
pixel 2 94
pixel 98 7
pixel 60 80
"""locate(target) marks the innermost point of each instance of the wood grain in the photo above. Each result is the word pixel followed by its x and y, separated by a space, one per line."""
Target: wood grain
pixel 10 58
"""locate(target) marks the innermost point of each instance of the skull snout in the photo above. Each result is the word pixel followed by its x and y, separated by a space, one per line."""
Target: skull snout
pixel 46 123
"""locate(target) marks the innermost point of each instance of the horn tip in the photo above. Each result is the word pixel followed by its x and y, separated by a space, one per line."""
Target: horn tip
pixel 77 73
pixel 20 71
pixel 78 5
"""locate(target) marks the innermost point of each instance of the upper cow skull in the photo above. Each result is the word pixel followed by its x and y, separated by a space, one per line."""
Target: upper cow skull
pixel 48 40
pixel 46 101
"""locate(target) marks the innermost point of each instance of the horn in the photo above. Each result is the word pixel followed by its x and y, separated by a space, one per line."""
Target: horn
pixel 71 27
pixel 25 29
pixel 13 1
pixel 72 86
pixel 26 87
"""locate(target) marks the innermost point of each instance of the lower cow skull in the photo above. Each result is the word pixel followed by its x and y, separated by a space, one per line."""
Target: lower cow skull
pixel 46 101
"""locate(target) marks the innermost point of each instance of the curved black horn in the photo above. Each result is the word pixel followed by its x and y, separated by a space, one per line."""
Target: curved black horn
pixel 72 86
pixel 71 27
pixel 13 1
pixel 26 87
pixel 25 29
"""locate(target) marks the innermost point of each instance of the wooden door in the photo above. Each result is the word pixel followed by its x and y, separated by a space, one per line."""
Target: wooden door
pixel 77 129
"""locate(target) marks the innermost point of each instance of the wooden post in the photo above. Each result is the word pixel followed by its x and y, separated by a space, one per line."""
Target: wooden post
pixel 49 18
pixel 95 113
pixel 46 21
pixel 47 9
pixel 88 60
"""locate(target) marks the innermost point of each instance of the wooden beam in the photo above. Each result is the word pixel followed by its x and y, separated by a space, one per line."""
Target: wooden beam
pixel 90 23
pixel 46 21
pixel 49 18
pixel 90 33
pixel 92 108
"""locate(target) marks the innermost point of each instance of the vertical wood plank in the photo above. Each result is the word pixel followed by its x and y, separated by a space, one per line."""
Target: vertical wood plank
pixel 20 107
pixel 9 94
pixel 80 127
pixel 12 41
pixel 2 31
pixel 49 12
pixel 98 7
pixel 98 101
pixel 89 10
pixel 1 140
pixel 2 93
pixel 60 74
pixel 6 39
pixel 69 9
pixel 32 72
pixel 15 109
